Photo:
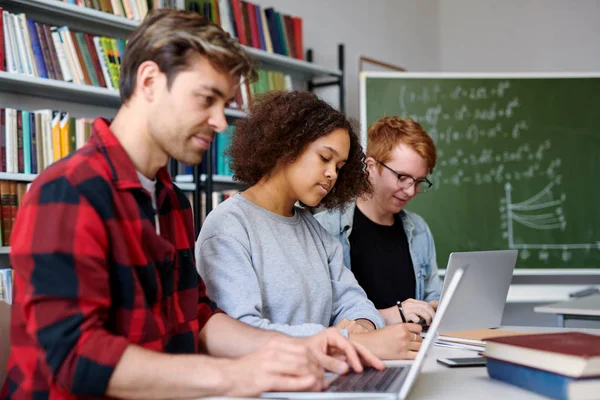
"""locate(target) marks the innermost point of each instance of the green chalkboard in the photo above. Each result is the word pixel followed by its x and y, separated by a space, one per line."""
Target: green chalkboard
pixel 518 161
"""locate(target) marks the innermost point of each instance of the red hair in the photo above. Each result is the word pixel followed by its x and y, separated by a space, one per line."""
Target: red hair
pixel 387 133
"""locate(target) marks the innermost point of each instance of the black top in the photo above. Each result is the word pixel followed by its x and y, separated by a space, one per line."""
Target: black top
pixel 381 261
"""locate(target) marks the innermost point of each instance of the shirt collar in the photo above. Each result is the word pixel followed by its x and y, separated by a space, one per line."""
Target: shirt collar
pixel 123 171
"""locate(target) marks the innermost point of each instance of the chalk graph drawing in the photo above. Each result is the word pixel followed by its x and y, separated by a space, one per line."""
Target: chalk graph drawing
pixel 541 212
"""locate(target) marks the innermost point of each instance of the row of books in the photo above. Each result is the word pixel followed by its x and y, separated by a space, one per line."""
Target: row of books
pixel 267 81
pixel 132 9
pixel 557 365
pixel 270 80
pixel 254 26
pixel 6 285
pixel 11 198
pixel 34 49
pixel 32 140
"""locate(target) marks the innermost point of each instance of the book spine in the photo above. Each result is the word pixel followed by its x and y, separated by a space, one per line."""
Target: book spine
pixel 10 64
pixel 61 54
pixel 21 50
pixel 541 382
pixel 56 145
pixel 2 140
pixel 20 161
pixel 5 207
pixel 39 31
pixel 11 138
pixel 33 143
pixel 2 65
pixel 95 61
pixel 13 206
pixel 12 34
pixel 52 52
pixel 26 142
pixel 87 59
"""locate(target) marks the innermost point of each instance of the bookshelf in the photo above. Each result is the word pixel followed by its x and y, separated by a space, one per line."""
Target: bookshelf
pixel 80 18
pixel 96 22
pixel 68 91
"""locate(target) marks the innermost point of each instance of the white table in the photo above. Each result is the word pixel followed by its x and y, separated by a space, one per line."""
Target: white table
pixel 585 308
pixel 439 382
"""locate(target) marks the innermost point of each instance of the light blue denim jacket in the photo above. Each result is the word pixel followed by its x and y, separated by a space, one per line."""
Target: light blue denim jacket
pixel 420 244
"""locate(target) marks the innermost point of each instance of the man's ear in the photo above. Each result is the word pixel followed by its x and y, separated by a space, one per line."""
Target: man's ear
pixel 371 164
pixel 147 80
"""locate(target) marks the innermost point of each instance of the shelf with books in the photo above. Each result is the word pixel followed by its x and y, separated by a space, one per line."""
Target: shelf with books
pixel 79 18
pixel 75 21
pixel 68 91
pixel 99 22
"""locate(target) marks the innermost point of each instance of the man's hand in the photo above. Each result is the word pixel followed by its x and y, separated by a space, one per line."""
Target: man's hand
pixel 356 326
pixel 336 353
pixel 284 364
pixel 394 342
pixel 414 310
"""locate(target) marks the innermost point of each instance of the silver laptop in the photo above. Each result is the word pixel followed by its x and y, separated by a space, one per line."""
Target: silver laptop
pixel 480 301
pixel 391 383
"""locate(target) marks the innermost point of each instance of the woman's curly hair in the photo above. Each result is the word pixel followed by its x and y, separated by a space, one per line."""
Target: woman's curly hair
pixel 280 126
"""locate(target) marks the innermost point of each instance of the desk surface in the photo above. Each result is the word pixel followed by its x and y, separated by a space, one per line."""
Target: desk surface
pixel 439 382
pixel 589 305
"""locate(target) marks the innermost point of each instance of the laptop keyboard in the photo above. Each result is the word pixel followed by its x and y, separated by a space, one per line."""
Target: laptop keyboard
pixel 371 380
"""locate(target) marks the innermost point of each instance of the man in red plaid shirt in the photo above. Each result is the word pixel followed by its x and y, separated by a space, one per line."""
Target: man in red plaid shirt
pixel 107 298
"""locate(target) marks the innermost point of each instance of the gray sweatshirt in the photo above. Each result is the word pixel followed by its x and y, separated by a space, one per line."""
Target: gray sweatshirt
pixel 278 273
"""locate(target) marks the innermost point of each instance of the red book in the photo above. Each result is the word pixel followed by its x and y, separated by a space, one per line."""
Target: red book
pixel 95 60
pixel 239 21
pixel 573 354
pixel 2 66
pixel 297 22
pixel 289 29
pixel 253 25
pixel 2 140
pixel 246 19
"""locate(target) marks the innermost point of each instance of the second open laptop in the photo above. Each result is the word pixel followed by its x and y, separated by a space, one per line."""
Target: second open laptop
pixel 391 383
pixel 482 296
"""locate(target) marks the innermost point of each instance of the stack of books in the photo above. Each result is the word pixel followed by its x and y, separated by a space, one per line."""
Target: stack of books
pixel 557 365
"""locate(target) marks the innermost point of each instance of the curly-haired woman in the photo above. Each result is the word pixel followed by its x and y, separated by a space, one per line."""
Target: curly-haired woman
pixel 268 262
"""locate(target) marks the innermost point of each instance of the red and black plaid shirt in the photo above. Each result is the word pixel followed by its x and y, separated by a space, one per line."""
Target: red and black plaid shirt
pixel 93 276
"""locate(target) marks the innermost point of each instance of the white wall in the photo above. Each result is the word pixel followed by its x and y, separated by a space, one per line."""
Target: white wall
pixel 519 35
pixel 400 32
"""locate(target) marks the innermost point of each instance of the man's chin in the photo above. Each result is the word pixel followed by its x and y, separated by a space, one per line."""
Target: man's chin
pixel 190 159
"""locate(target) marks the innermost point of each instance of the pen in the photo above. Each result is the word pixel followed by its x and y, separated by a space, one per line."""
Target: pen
pixel 399 304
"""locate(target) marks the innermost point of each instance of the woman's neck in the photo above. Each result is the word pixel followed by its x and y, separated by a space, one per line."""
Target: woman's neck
pixel 272 194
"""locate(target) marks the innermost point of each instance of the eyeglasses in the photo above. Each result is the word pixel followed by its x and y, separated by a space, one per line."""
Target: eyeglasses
pixel 406 181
